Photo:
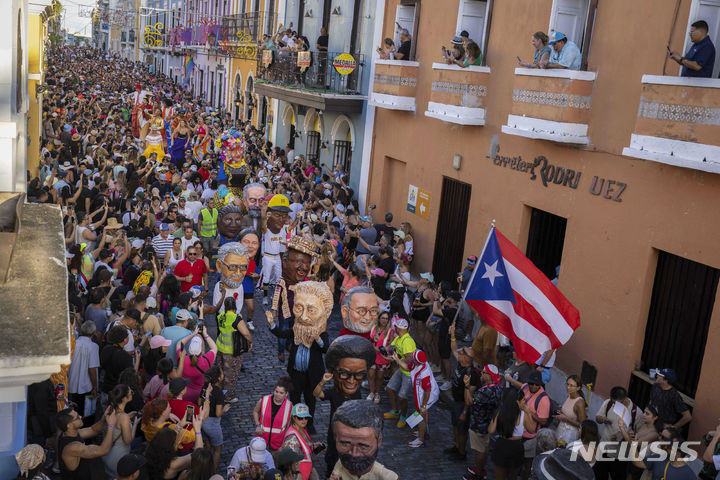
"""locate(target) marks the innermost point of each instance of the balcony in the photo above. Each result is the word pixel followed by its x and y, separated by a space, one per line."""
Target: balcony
pixel 394 84
pixel 458 94
pixel 319 85
pixel 678 123
pixel 551 105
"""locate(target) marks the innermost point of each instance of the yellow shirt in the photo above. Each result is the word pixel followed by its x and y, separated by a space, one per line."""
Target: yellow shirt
pixel 404 345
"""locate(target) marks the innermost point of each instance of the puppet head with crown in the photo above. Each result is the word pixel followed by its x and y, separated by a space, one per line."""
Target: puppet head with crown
pixel 234 170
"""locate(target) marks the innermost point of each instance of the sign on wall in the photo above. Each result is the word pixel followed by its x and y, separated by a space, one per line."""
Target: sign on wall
pixel 267 57
pixel 412 198
pixel 303 59
pixel 344 64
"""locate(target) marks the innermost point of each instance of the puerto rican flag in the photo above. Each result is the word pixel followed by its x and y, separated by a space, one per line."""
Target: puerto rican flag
pixel 516 299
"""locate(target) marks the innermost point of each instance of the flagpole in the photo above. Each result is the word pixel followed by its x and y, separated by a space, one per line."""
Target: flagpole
pixel 492 228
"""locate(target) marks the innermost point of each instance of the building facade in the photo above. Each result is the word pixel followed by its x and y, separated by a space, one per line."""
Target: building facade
pixel 609 172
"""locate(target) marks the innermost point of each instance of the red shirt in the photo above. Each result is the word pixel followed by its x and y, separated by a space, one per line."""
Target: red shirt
pixel 178 408
pixel 345 331
pixel 185 268
pixel 205 174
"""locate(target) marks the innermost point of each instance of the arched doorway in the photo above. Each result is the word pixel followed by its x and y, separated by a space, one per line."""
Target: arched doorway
pixel 343 135
pixel 249 101
pixel 237 100
pixel 288 119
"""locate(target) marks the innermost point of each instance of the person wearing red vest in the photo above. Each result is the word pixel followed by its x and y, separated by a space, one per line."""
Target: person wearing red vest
pixel 297 438
pixel 272 414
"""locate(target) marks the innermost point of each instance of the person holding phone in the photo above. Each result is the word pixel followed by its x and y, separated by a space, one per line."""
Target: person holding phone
pixel 298 439
pixel 541 57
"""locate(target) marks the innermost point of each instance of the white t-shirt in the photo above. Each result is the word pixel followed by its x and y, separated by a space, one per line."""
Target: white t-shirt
pixel 241 456
pixel 295 208
pixel 188 243
pixel 272 243
pixel 229 292
pixel 193 208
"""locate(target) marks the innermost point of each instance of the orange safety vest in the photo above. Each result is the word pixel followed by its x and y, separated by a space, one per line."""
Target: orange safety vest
pixel 275 426
pixel 307 446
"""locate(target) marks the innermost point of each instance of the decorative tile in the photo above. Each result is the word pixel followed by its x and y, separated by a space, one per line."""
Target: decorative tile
pixel 679 113
pixel 396 80
pixel 554 99
pixel 460 88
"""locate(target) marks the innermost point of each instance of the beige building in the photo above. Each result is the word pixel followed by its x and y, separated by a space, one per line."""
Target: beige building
pixel 610 172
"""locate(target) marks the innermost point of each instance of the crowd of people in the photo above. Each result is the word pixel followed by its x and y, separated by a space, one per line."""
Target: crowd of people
pixel 179 223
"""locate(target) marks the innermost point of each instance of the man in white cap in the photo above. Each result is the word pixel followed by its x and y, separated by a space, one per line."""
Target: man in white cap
pixel 253 457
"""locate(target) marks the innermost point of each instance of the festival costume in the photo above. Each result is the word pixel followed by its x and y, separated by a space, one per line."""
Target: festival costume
pixel 154 140
pixel 203 146
pixel 137 102
pixel 177 148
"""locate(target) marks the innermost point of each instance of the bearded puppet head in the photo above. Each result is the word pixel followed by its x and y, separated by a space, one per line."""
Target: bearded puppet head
pixel 312 308
pixel 360 309
pixel 232 264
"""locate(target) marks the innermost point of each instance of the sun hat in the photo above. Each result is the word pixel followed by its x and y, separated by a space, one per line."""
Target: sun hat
pixel 159 341
pixel 400 234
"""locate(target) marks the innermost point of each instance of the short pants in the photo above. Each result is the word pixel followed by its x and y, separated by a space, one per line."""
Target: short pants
pixel 401 384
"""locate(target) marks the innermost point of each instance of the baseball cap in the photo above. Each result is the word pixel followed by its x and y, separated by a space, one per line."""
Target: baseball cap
pixel 365 218
pixel 419 357
pixel 401 323
pixel 471 260
pixel 164 226
pixel 557 37
pixel 178 384
pixel 535 378
pixel 196 290
pixel 129 464
pixel 183 315
pixel 159 341
pixel 258 449
pixel 195 347
pixel 288 456
pixel 137 244
pixel 273 474
pixel 301 410
pixel 151 302
pixel 668 373
pixel 279 203
pixel 427 276
pixel 378 271
pixel 494 373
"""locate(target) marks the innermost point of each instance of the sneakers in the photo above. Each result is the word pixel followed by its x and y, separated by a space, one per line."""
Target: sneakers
pixel 371 396
pixel 250 326
pixel 265 301
pixel 446 386
pixel 401 422
pixel 416 443
pixel 377 398
pixel 391 414
pixel 427 435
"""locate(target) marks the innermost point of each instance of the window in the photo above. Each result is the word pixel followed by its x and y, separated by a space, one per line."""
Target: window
pixel 313 146
pixel 341 154
pixel 472 17
pixel 545 241
pixel 708 10
pixel 407 16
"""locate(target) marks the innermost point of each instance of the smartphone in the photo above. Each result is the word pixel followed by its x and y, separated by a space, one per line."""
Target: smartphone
pixel 668 48
pixel 167 270
pixel 383 351
pixel 189 413
pixel 319 448
pixel 518 59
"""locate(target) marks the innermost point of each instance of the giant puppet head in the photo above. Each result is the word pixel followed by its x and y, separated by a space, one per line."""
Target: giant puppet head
pixel 232 263
pixel 234 170
pixel 278 212
pixel 296 260
pixel 312 307
pixel 349 359
pixel 229 222
pixel 254 198
pixel 360 310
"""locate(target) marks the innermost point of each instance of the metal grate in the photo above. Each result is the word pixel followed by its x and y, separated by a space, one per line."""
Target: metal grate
pixel 545 241
pixel 313 146
pixel 341 154
pixel 682 301
pixel 451 228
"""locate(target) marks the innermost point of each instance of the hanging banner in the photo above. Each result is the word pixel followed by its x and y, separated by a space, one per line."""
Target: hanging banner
pixel 267 57
pixel 344 64
pixel 303 59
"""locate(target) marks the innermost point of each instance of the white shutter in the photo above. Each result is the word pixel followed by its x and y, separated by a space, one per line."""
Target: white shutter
pixel 710 12
pixel 472 19
pixel 405 16
pixel 569 17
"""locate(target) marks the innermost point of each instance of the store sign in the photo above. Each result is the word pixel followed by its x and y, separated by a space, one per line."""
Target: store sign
pixel 344 64
pixel 267 57
pixel 549 173
pixel 418 202
pixel 303 59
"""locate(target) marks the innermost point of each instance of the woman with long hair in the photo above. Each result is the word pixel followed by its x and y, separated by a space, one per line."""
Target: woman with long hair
pixel 649 430
pixel 131 378
pixel 584 445
pixel 162 454
pixel 211 426
pixel 196 363
pixel 202 466
pixel 159 385
pixel 251 240
pixel 381 336
pixel 573 411
pixel 174 255
pixel 513 416
pixel 157 415
pixel 124 431
pixel 352 277
pixel 178 141
pixel 168 293
pixel 156 352
pixel 541 57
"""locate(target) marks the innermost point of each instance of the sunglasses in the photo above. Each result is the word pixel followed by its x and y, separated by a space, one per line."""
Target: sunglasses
pixel 345 375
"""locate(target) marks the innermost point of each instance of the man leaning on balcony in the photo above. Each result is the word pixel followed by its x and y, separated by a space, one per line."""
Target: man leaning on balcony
pixel 699 61
pixel 565 53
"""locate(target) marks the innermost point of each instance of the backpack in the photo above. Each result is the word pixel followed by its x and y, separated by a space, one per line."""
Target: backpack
pixel 553 408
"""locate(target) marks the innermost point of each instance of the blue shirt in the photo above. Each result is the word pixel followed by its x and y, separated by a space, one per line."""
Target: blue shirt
pixel 569 57
pixel 702 52
pixel 174 334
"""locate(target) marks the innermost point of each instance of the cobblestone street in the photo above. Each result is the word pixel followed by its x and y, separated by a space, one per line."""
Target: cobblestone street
pixel 262 369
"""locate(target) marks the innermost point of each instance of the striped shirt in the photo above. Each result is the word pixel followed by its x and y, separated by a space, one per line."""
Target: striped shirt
pixel 162 245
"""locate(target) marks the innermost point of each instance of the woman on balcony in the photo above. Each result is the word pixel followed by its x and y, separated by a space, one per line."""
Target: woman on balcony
pixel 542 51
